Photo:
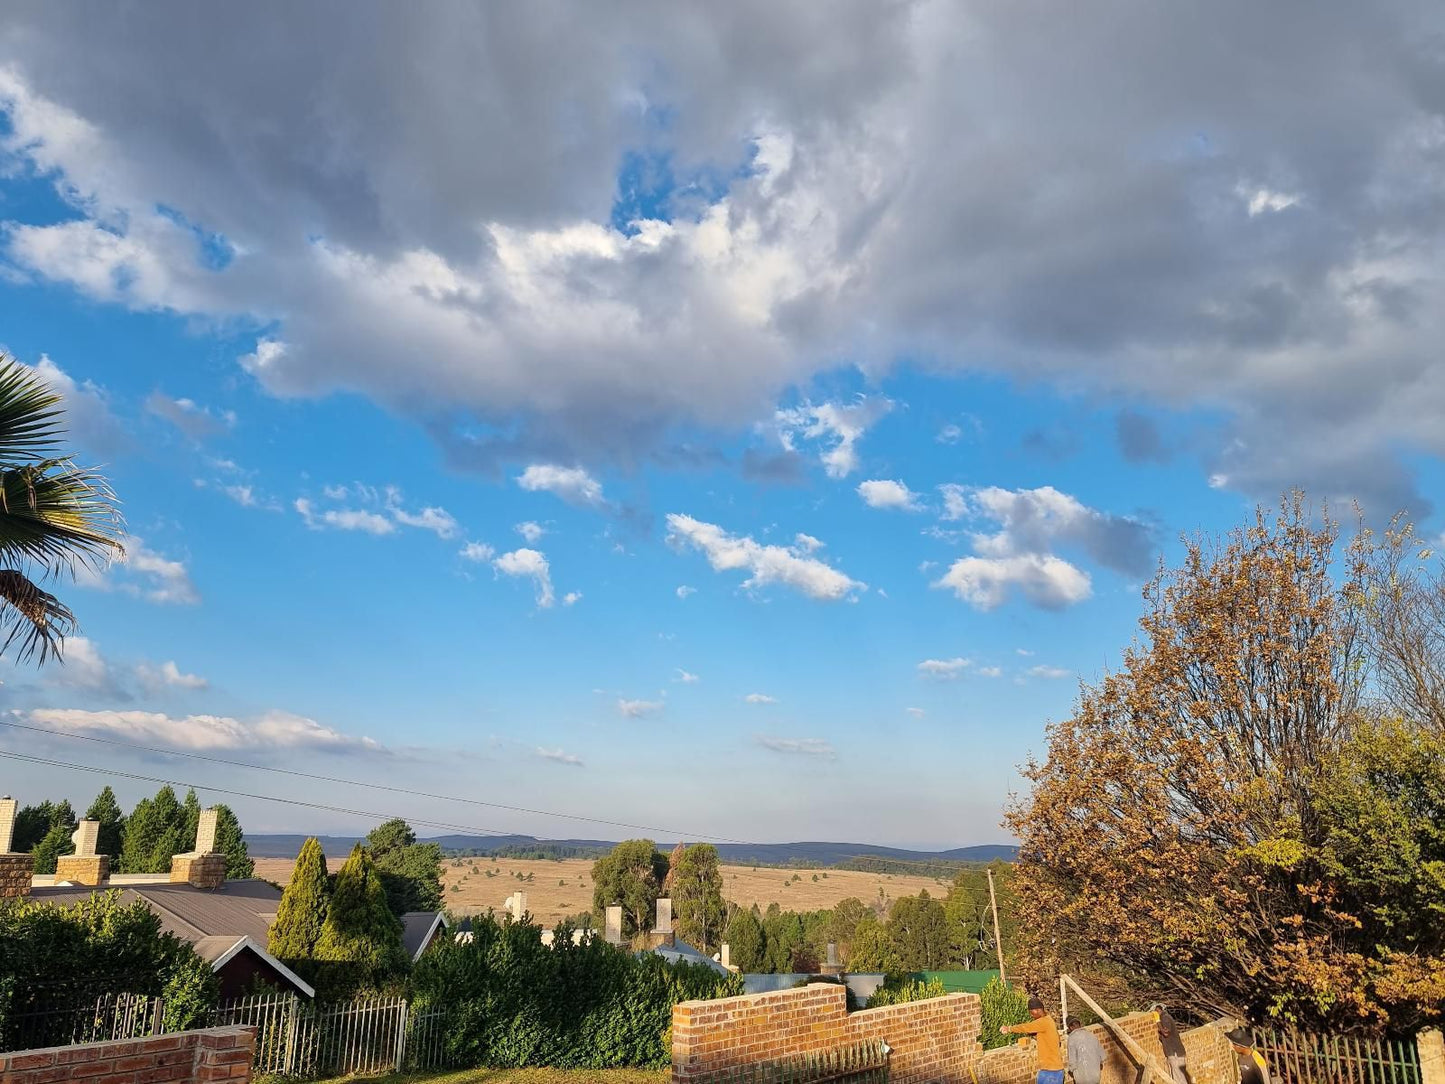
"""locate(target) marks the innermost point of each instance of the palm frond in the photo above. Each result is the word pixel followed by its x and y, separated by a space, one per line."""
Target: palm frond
pixel 58 515
pixel 30 412
pixel 34 618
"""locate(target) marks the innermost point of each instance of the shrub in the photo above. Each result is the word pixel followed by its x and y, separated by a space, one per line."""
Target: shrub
pixel 514 1002
pixel 1000 1005
pixel 897 989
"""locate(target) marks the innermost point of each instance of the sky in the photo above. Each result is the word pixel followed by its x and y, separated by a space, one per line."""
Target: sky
pixel 743 422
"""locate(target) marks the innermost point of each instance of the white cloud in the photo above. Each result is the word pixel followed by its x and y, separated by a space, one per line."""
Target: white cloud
pixel 887 493
pixel 343 519
pixel 245 496
pixel 685 677
pixel 807 543
pixel 476 551
pixel 146 574
pixel 946 669
pixel 989 671
pixel 685 590
pixel 530 531
pixel 760 698
pixel 1018 556
pixel 201 733
pixel 571 598
pixel 529 562
pixel 805 747
pixel 1259 200
pixel 765 564
pixel 949 434
pixel 572 484
pixel 637 709
pixel 917 713
pixel 431 518
pixel 89 420
pixel 1025 652
pixel 1051 672
pixel 192 419
pixel 838 425
pixel 83 666
pixel 557 756
pixel 169 675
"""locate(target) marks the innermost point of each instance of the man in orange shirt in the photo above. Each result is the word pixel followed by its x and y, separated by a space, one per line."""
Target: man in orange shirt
pixel 1046 1036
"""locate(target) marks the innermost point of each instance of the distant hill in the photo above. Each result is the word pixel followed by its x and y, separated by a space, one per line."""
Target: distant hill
pixel 737 854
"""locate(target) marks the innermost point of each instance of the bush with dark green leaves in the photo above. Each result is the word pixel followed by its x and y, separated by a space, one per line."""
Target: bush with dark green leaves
pixel 897 989
pixel 514 1002
pixel 55 958
pixel 1000 1004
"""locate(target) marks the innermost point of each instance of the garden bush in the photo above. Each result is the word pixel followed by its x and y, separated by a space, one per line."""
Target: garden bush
pixel 1000 1004
pixel 513 1002
pixel 897 989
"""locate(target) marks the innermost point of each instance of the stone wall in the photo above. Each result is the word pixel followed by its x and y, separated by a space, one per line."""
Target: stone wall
pixel 933 1041
pixel 206 871
pixel 216 1054
pixel 15 871
pixel 82 869
pixel 1211 1060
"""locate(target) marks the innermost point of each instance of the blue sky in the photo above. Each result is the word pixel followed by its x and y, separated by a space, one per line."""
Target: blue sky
pixel 757 465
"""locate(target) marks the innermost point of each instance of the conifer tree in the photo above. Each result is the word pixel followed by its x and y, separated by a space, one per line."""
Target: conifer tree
pixel 154 832
pixel 302 911
pixel 106 810
pixel 231 842
pixel 57 841
pixel 361 937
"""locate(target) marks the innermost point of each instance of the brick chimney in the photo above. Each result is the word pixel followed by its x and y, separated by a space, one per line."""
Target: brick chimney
pixel 84 867
pixel 15 869
pixel 203 867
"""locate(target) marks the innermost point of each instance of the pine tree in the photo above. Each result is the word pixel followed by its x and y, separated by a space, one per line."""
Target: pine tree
pixel 361 937
pixel 57 841
pixel 155 831
pixel 410 871
pixel 106 810
pixel 302 911
pixel 231 842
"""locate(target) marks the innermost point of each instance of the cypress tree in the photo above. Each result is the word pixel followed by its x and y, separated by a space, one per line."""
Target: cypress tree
pixel 302 911
pixel 231 842
pixel 154 832
pixel 106 810
pixel 57 841
pixel 360 937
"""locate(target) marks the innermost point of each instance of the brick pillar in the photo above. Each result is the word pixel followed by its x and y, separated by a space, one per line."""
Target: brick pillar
pixel 206 871
pixel 15 869
pixel 1432 1056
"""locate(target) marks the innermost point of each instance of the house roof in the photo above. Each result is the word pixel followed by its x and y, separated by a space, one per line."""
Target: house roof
pixel 417 930
pixel 236 909
pixel 681 951
pixel 219 951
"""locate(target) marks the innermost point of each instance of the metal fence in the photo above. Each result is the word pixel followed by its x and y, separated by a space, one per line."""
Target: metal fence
pixel 864 1063
pixel 1297 1057
pixel 293 1037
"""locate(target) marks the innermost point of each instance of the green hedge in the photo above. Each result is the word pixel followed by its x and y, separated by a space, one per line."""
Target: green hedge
pixel 513 1002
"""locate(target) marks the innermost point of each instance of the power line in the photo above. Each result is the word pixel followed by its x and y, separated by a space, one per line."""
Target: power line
pixel 374 786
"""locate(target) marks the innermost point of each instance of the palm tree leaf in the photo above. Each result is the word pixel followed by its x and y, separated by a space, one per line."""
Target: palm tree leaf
pixel 58 515
pixel 30 412
pixel 34 618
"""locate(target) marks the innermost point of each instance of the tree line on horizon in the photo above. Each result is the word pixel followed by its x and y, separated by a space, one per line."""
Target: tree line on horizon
pixel 157 829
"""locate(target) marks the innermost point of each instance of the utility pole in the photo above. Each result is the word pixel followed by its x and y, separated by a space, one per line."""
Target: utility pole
pixel 997 937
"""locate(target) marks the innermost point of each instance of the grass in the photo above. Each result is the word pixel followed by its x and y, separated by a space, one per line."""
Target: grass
pixel 516 1076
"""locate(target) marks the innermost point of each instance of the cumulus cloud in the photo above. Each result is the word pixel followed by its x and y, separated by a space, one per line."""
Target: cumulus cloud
pixel 169 676
pixel 530 531
pixel 801 747
pixel 558 756
pixel 946 669
pixel 637 709
pixel 83 667
pixel 432 518
pixel 887 493
pixel 89 419
pixel 146 574
pixel 476 551
pixel 1184 210
pixel 838 426
pixel 760 698
pixel 1018 556
pixel 342 519
pixel 529 563
pixel 571 598
pixel 192 419
pixel 989 671
pixel 765 564
pixel 572 484
pixel 204 733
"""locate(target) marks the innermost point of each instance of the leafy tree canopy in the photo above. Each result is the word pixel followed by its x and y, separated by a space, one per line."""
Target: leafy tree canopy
pixel 630 875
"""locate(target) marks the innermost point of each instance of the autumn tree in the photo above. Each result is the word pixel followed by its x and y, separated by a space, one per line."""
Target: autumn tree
pixel 1171 847
pixel 698 909
pixel 630 875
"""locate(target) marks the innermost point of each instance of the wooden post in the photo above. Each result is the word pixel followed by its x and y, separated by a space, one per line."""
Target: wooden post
pixel 1135 1051
pixel 997 937
pixel 1064 1006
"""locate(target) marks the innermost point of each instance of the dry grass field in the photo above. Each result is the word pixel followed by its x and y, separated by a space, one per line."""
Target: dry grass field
pixel 556 889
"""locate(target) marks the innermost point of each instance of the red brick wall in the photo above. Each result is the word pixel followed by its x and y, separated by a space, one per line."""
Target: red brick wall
pixel 1211 1060
pixel 933 1041
pixel 222 1054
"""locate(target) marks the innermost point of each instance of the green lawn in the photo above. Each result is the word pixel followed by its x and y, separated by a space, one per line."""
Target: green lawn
pixel 517 1076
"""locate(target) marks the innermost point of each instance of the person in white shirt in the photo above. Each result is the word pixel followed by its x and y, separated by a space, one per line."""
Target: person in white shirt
pixel 1086 1056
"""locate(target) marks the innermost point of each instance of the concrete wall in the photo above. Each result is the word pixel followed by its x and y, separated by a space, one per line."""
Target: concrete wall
pixel 933 1041
pixel 1211 1060
pixel 216 1054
